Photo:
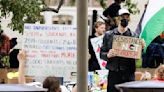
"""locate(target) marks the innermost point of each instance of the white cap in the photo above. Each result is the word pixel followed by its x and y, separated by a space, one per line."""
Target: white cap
pixel 123 11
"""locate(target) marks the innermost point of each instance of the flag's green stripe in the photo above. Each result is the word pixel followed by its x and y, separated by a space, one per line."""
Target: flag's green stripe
pixel 153 27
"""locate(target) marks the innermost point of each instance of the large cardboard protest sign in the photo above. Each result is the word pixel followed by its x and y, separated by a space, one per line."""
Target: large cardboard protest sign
pixel 128 47
pixel 96 44
pixel 51 50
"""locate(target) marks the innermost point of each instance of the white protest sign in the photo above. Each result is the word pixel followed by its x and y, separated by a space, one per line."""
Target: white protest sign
pixel 51 50
pixel 97 43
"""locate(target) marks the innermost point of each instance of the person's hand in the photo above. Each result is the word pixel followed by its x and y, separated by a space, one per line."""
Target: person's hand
pixel 111 53
pixel 143 43
pixel 88 55
pixel 21 56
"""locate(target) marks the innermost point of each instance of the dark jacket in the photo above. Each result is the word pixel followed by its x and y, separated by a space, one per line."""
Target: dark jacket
pixel 116 63
pixel 93 62
pixel 156 48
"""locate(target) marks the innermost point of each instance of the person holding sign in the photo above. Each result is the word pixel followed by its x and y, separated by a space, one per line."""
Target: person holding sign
pixel 93 62
pixel 121 69
pixel 50 83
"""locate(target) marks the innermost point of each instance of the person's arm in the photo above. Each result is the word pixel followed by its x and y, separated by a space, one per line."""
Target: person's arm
pixel 143 44
pixel 104 49
pixel 21 58
pixel 90 48
pixel 74 89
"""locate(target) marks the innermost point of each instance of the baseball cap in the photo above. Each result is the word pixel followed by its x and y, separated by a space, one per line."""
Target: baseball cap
pixel 123 11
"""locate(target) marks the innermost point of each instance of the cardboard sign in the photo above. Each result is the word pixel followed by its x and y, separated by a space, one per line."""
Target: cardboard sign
pixel 51 50
pixel 128 47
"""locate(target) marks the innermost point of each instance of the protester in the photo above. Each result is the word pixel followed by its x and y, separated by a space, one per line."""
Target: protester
pixel 120 69
pixel 159 73
pixel 155 52
pixel 111 13
pixel 51 83
pixel 93 62
pixel 6 46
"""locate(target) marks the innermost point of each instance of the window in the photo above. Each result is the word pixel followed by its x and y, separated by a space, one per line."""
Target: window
pixel 62 19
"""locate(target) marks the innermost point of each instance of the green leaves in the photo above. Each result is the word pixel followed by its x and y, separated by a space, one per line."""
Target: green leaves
pixel 22 11
pixel 5 61
pixel 132 7
pixel 102 3
pixel 28 11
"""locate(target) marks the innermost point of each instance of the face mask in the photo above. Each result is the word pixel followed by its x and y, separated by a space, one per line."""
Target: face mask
pixel 124 22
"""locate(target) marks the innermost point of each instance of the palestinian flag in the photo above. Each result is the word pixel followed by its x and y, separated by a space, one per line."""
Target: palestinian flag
pixel 153 21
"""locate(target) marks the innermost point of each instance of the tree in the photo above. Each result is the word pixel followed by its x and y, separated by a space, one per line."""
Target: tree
pixel 22 11
pixel 131 6
pixel 103 3
pixel 28 11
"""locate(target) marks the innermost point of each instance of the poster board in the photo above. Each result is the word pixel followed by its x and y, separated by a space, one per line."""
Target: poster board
pixel 97 43
pixel 128 47
pixel 51 50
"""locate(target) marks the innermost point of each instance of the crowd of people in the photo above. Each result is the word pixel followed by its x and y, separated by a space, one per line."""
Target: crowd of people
pixel 52 83
pixel 121 69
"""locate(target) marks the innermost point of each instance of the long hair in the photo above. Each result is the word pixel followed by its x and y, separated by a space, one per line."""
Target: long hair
pixel 52 84
pixel 4 45
pixel 159 72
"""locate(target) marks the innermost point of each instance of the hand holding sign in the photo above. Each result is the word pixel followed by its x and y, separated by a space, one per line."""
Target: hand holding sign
pixel 111 53
pixel 21 56
pixel 143 43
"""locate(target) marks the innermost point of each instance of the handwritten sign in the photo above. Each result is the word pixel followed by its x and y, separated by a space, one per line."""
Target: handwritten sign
pixel 97 43
pixel 51 50
pixel 128 47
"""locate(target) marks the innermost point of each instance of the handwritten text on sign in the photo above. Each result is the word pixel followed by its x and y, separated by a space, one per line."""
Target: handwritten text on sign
pixel 51 50
pixel 128 47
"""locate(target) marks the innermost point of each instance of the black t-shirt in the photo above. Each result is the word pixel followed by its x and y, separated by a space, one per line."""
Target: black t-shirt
pixel 112 10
